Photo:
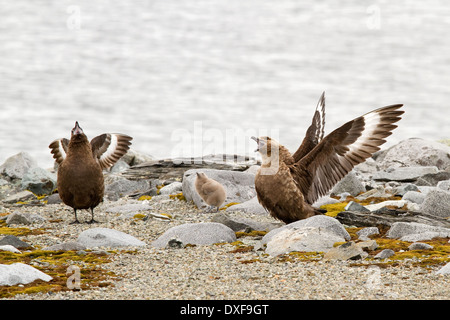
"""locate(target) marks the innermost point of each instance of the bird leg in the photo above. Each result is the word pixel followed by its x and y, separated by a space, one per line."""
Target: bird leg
pixel 210 209
pixel 92 220
pixel 76 219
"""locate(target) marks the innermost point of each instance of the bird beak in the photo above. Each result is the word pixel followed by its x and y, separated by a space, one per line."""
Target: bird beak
pixel 257 141
pixel 77 129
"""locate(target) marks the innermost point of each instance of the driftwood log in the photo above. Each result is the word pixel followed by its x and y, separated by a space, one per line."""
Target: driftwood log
pixel 174 169
pixel 387 217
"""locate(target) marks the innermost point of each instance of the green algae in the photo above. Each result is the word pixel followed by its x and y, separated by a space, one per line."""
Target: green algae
pixel 55 264
pixel 178 196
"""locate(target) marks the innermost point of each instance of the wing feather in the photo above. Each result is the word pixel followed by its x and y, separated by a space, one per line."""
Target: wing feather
pixel 59 149
pixel 315 132
pixel 108 148
pixel 336 155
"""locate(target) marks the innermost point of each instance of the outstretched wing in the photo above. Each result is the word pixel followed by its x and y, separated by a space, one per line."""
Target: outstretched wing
pixel 108 148
pixel 341 150
pixel 59 149
pixel 315 132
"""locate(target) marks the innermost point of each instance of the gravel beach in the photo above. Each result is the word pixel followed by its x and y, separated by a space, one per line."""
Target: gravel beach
pixel 220 271
pixel 402 253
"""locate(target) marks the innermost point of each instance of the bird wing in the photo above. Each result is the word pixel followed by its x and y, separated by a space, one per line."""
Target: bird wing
pixel 341 150
pixel 315 132
pixel 59 149
pixel 108 148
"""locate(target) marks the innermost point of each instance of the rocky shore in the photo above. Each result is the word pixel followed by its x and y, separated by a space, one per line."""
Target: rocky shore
pixel 385 236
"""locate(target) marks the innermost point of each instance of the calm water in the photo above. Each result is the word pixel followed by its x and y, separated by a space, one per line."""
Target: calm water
pixel 197 77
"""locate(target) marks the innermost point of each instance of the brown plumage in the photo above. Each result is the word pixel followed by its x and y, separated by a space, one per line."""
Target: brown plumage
pixel 287 185
pixel 80 177
pixel 211 191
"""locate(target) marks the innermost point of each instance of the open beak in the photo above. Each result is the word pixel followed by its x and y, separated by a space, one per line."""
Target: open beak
pixel 257 141
pixel 77 129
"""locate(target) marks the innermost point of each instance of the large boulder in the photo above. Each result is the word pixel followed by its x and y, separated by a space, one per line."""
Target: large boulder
pixel 404 173
pixel 322 222
pixel 350 183
pixel 413 231
pixel 306 239
pixel 250 206
pixel 415 152
pixel 104 237
pixel 17 165
pixel 39 181
pixel 437 203
pixel 315 234
pixel 239 186
pixel 20 273
pixel 118 187
pixel 196 233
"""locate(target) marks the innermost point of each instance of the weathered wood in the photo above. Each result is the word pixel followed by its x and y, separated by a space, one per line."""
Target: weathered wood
pixel 166 169
pixel 387 217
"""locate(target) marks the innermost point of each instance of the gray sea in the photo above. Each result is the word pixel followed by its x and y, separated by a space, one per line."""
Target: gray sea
pixel 201 76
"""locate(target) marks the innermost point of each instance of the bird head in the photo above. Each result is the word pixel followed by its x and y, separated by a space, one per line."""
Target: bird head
pixel 77 129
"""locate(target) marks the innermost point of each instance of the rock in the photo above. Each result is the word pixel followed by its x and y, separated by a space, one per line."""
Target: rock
pixel 175 244
pixel 251 206
pixel 21 196
pixel 444 185
pixel 322 222
pixel 403 189
pixel 129 207
pixel 253 169
pixel 66 246
pixel 437 202
pixel 394 203
pixel 420 246
pixel 426 189
pixel 240 224
pixel 19 273
pixel 350 183
pixel 423 236
pixel 377 192
pixel 306 239
pixel 24 218
pixel 413 196
pixel 324 201
pixel 368 244
pixel 206 233
pixel 404 230
pixel 15 242
pixel 432 179
pixel 176 168
pixel 239 186
pixel 16 166
pixel 133 157
pixel 346 251
pixel 364 233
pixel 10 248
pixel 119 166
pixel 355 206
pixel 445 269
pixel 122 187
pixel 415 152
pixel 404 173
pixel 39 181
pixel 173 188
pixel 384 254
pixel 54 199
pixel 104 237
